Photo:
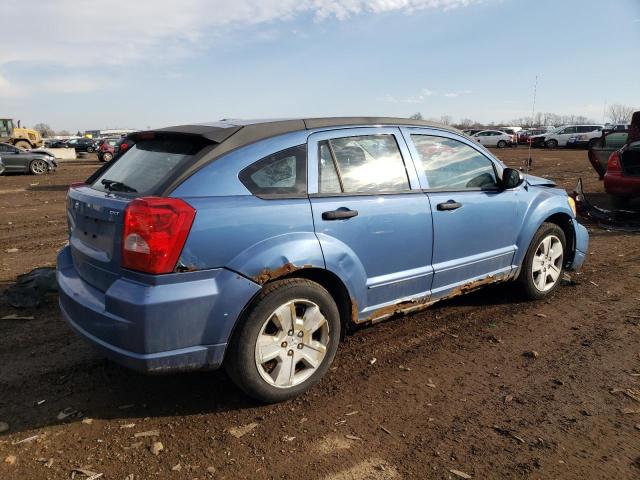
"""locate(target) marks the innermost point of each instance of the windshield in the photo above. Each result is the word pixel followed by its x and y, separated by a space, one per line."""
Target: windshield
pixel 148 163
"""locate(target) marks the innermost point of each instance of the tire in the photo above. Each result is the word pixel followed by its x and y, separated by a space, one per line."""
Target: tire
pixel 23 144
pixel 106 157
pixel 502 144
pixel 38 167
pixel 263 372
pixel 551 144
pixel 542 270
pixel 90 150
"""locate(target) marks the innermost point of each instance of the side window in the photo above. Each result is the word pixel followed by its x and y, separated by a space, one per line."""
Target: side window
pixel 452 165
pixel 328 177
pixel 365 164
pixel 283 173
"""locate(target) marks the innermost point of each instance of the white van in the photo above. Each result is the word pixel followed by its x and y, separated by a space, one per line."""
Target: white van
pixel 561 135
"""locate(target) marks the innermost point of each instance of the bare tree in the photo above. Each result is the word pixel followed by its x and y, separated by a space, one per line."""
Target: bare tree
pixel 416 116
pixel 44 129
pixel 619 113
pixel 445 119
pixel 466 123
pixel 64 133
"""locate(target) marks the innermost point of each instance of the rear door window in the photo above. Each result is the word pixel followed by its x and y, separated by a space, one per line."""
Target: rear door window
pixel 362 164
pixel 148 163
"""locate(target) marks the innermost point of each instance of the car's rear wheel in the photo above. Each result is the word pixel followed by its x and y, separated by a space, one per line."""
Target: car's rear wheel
pixel 38 167
pixel 502 144
pixel 107 157
pixel 551 144
pixel 90 150
pixel 286 342
pixel 544 262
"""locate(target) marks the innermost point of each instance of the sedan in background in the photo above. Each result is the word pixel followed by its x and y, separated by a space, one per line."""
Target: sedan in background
pixel 493 138
pixel 622 178
pixel 22 161
pixel 82 144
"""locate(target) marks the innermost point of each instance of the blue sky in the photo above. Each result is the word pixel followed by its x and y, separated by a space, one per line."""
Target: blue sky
pixel 152 63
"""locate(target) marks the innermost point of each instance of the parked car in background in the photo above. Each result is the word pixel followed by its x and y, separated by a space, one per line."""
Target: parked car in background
pixel 254 245
pixel 1 166
pixel 123 145
pixel 17 160
pixel 493 138
pixel 472 131
pixel 602 148
pixel 57 143
pixel 585 137
pixel 622 178
pixel 525 135
pixel 107 149
pixel 82 144
pixel 561 135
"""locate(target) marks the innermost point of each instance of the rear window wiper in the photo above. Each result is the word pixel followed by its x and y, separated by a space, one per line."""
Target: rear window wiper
pixel 113 185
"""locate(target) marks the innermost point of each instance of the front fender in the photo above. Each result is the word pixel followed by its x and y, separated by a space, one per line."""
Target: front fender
pixel 544 205
pixel 278 256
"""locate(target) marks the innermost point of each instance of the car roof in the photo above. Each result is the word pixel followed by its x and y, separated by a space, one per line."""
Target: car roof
pixel 249 131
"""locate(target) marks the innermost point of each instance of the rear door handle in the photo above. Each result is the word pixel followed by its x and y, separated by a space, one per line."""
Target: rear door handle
pixel 341 213
pixel 449 205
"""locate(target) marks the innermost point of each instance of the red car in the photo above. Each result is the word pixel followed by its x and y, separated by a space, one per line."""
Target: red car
pixel 107 149
pixel 622 178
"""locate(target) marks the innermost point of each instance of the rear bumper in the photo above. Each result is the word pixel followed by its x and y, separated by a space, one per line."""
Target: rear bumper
pixel 581 247
pixel 156 323
pixel 621 185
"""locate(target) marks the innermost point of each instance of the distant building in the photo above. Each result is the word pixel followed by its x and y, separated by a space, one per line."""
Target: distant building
pixel 115 132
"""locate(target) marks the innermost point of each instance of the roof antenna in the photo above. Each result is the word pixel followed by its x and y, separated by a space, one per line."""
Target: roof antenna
pixel 533 113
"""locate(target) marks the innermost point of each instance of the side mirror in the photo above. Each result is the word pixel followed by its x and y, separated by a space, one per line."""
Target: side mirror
pixel 511 178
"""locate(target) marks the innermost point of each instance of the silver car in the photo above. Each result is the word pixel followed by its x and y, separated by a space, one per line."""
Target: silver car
pixel 18 160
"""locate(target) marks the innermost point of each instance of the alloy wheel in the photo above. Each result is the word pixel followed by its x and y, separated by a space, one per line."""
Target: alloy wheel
pixel 39 167
pixel 547 263
pixel 292 343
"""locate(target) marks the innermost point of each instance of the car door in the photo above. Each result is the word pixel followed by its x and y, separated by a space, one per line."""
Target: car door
pixel 371 217
pixel 475 222
pixel 11 159
pixel 564 135
pixel 482 138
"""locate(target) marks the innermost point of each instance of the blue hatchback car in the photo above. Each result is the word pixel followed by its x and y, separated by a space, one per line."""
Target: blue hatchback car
pixel 256 245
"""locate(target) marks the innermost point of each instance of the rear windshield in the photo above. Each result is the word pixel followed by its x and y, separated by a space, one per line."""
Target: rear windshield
pixel 148 163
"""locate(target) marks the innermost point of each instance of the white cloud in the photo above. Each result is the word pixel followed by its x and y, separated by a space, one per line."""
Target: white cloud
pixel 120 32
pixel 10 89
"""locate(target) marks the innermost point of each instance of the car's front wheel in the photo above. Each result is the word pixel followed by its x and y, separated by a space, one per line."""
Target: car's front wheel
pixel 286 342
pixel 502 144
pixel 107 157
pixel 544 262
pixel 38 167
pixel 551 144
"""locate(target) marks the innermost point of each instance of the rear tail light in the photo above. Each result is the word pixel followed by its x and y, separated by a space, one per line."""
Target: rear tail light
pixel 613 165
pixel 155 230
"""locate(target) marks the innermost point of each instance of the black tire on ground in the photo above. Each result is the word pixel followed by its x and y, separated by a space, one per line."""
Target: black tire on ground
pixel 502 144
pixel 551 144
pixel 106 157
pixel 23 144
pixel 38 167
pixel 90 150
pixel 240 362
pixel 526 272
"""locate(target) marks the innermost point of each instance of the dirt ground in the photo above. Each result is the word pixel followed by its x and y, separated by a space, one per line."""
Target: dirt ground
pixel 451 394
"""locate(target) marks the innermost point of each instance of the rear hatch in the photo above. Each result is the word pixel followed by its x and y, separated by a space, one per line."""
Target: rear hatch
pixel 602 149
pixel 95 210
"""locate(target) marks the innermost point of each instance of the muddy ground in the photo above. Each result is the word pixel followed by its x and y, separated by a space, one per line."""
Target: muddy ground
pixel 452 391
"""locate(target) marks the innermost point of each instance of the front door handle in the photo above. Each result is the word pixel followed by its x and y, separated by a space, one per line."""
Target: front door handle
pixel 449 205
pixel 341 213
